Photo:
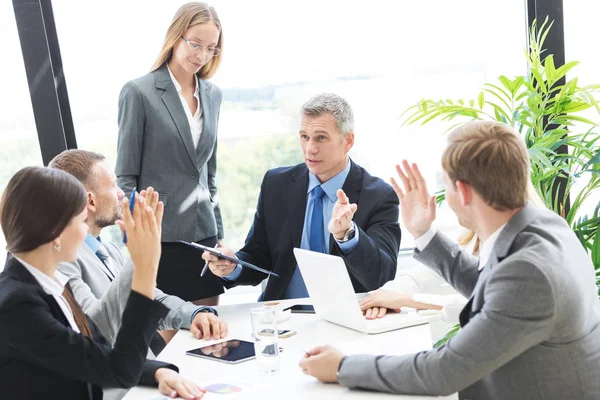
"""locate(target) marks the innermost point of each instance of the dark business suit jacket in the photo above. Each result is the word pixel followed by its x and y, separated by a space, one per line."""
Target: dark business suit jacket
pixel 279 220
pixel 42 357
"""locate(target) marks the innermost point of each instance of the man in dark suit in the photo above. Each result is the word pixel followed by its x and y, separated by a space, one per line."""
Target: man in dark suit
pixel 327 204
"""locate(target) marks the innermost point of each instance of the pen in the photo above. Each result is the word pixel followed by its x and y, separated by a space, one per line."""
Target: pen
pixel 220 254
pixel 131 204
pixel 206 262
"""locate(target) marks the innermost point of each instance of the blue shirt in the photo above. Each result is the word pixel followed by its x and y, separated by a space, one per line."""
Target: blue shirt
pixel 94 243
pixel 330 188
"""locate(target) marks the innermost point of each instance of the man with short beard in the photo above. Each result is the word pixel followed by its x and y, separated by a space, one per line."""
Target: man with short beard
pixel 101 276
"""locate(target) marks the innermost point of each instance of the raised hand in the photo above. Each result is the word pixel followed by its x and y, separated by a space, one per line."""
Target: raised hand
pixel 143 244
pixel 417 206
pixel 341 216
pixel 151 200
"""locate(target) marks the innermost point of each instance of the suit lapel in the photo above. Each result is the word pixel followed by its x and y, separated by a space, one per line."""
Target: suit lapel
pixel 515 226
pixel 16 270
pixel 56 310
pixel 351 187
pixel 501 248
pixel 297 204
pixel 173 104
pixel 89 254
pixel 467 312
pixel 205 145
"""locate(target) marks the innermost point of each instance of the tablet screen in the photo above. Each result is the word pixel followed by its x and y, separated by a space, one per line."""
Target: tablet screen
pixel 230 351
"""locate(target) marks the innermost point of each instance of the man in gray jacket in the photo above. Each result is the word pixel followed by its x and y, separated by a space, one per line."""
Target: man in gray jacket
pixel 101 276
pixel 531 327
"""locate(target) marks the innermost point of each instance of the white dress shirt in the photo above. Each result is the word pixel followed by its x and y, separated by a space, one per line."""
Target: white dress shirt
pixel 195 121
pixel 453 304
pixel 54 287
pixel 486 247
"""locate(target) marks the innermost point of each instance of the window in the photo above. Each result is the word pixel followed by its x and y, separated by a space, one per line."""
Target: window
pixel 382 56
pixel 580 32
pixel 19 146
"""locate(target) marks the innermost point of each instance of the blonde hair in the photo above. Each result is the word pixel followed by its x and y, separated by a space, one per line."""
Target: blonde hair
pixel 188 15
pixel 492 158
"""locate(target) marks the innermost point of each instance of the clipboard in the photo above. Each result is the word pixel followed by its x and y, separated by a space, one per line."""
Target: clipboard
pixel 217 253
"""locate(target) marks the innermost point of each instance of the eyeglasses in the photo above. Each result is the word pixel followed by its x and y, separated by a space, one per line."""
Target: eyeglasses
pixel 211 51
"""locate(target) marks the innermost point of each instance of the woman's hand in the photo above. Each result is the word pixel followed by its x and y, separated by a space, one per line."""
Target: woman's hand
pixel 171 384
pixel 386 299
pixel 143 241
pixel 377 312
pixel 379 302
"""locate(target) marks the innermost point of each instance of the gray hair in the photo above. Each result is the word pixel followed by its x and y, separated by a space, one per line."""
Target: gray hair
pixel 329 103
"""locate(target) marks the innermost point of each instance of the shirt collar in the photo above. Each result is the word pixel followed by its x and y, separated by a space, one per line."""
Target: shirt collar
pixel 487 247
pixel 177 85
pixel 51 286
pixel 332 185
pixel 92 242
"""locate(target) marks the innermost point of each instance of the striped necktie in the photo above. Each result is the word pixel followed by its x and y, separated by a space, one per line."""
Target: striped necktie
pixel 110 268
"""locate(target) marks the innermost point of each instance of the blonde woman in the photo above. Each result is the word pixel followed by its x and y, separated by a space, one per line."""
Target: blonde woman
pixel 168 139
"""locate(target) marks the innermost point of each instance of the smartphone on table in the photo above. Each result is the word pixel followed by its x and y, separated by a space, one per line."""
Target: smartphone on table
pixel 281 333
pixel 301 309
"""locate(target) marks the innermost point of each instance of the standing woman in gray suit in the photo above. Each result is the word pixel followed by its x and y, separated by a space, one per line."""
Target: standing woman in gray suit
pixel 168 140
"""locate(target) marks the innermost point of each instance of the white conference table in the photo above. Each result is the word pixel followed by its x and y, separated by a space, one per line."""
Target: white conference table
pixel 289 383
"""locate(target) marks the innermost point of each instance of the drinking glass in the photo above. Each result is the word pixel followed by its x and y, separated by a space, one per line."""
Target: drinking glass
pixel 264 330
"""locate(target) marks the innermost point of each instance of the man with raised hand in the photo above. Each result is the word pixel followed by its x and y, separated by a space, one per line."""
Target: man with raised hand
pixel 101 276
pixel 531 327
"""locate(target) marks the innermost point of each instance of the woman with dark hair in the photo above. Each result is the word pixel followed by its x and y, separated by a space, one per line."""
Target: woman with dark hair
pixel 48 347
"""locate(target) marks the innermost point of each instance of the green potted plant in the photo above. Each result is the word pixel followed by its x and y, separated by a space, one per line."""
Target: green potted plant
pixel 548 114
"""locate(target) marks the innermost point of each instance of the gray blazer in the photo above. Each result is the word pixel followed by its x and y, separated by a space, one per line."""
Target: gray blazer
pixel 104 301
pixel 531 329
pixel 155 148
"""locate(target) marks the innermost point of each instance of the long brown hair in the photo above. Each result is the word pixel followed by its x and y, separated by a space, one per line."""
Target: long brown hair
pixel 188 15
pixel 36 207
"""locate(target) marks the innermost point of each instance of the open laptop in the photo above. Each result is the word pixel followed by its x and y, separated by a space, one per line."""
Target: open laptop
pixel 331 291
